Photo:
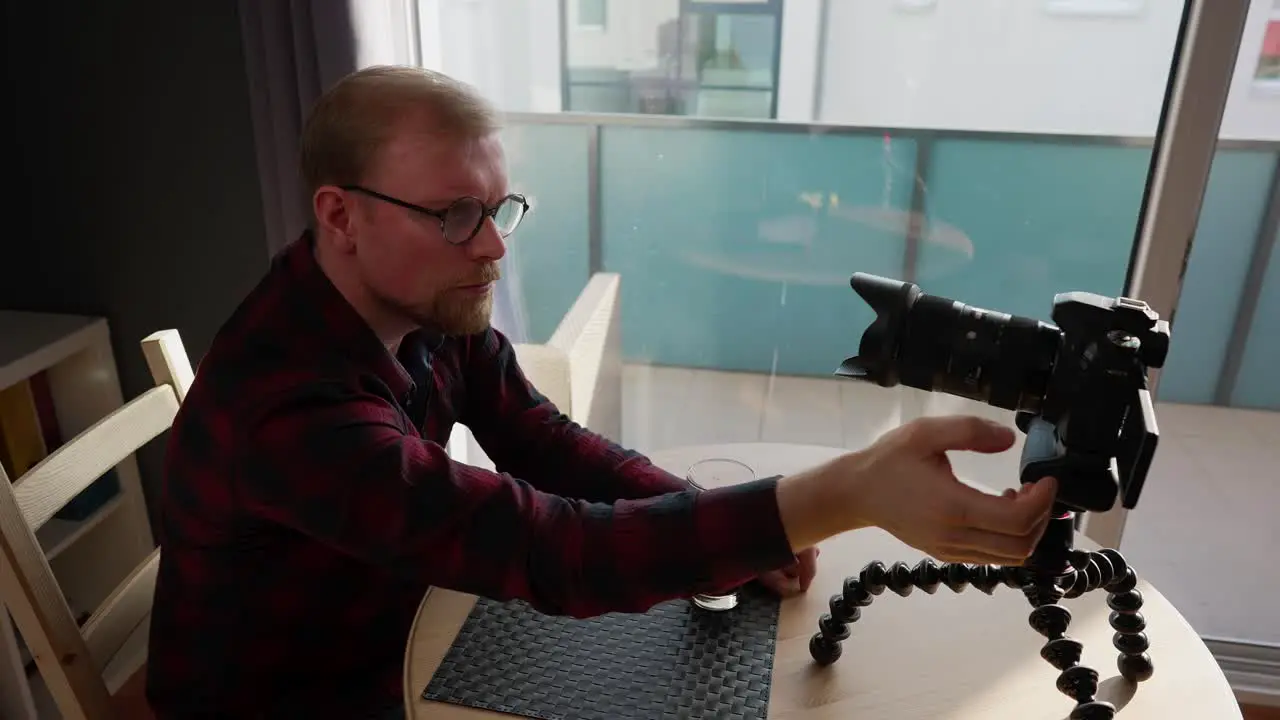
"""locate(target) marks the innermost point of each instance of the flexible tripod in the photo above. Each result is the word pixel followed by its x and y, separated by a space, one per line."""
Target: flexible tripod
pixel 1054 571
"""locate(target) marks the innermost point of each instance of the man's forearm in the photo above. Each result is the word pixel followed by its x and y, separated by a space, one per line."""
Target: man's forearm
pixel 630 555
pixel 813 505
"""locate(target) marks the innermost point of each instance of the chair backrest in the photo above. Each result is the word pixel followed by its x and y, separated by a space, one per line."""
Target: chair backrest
pixel 590 335
pixel 580 367
pixel 547 368
pixel 72 659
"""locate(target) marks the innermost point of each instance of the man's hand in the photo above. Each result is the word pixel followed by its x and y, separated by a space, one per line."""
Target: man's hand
pixel 796 577
pixel 904 484
pixel 908 489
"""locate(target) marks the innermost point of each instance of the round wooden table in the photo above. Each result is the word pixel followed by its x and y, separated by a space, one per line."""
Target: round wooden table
pixel 967 656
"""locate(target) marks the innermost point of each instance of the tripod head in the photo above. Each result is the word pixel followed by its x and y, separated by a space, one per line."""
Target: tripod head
pixel 1078 387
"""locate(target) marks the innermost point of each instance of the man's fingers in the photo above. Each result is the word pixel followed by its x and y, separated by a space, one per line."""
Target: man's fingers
pixel 961 432
pixel 961 555
pixel 808 568
pixel 1012 529
pixel 1042 525
pixel 1010 549
pixel 1017 514
pixel 780 583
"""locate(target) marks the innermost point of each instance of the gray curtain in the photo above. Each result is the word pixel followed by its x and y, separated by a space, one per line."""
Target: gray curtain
pixel 294 49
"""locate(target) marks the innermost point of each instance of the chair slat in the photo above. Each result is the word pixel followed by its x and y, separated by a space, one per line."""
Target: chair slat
pixel 121 613
pixel 41 613
pixel 74 660
pixel 50 485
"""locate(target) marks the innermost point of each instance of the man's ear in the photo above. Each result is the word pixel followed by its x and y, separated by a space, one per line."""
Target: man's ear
pixel 334 214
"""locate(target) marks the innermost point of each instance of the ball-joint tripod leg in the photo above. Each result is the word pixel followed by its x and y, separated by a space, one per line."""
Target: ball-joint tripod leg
pixel 1054 572
pixel 875 578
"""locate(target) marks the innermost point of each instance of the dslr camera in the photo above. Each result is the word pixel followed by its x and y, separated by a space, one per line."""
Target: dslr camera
pixel 1078 386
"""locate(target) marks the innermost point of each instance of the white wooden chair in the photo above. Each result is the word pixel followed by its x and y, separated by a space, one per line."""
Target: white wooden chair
pixel 97 671
pixel 579 368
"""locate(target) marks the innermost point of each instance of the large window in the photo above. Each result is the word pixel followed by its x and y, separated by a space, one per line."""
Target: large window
pixel 997 153
pixel 672 57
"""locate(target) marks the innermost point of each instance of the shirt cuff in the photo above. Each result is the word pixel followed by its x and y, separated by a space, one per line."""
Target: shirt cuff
pixel 740 531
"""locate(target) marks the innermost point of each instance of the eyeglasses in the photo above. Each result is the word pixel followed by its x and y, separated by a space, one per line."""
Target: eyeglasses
pixel 462 219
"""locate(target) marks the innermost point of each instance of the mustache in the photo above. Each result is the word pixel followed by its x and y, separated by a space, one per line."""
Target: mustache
pixel 489 273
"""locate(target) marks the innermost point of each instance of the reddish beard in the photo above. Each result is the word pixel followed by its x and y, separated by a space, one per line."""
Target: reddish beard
pixel 459 311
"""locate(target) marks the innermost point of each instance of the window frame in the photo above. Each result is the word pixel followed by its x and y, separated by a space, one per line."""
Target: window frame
pixel 1205 54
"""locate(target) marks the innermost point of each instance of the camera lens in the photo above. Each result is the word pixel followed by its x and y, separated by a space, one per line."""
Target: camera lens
pixel 937 344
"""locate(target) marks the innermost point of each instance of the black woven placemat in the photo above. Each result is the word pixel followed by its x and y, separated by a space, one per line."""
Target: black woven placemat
pixel 675 661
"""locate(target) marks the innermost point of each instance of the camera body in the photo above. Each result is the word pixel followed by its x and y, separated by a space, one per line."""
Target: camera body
pixel 1078 387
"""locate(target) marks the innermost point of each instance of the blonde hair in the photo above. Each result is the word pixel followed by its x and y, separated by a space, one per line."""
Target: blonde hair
pixel 353 120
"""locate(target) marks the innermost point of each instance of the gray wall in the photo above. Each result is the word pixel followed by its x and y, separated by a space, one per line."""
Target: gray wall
pixel 132 186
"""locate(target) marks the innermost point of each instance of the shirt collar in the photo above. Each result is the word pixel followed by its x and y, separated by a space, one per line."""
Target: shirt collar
pixel 336 324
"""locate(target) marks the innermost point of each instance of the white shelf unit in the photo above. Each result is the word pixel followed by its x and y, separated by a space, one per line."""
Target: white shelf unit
pixel 92 556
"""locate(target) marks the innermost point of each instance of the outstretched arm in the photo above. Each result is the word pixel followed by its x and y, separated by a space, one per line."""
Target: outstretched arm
pixel 343 467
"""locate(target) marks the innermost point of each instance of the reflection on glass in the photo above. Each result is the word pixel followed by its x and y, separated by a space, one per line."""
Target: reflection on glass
pixel 993 153
pixel 546 262
pixel 1269 59
pixel 665 57
pixel 1231 218
pixel 754 244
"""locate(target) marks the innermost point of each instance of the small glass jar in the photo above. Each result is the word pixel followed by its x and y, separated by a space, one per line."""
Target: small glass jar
pixel 714 473
pixel 718 472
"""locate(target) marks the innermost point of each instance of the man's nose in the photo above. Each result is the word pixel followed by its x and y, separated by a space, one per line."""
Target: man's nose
pixel 488 243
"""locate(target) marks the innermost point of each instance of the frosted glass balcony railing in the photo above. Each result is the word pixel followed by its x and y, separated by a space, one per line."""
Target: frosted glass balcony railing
pixel 736 240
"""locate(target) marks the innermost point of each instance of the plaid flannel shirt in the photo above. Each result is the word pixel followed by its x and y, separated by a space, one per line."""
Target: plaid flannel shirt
pixel 308 503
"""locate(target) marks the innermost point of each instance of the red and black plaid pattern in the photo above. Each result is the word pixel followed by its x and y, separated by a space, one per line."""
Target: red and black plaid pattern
pixel 308 503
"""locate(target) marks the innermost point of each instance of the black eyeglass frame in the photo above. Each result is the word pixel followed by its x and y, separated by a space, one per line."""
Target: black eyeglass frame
pixel 441 215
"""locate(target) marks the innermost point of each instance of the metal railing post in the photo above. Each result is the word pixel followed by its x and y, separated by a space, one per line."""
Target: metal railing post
pixel 595 238
pixel 916 217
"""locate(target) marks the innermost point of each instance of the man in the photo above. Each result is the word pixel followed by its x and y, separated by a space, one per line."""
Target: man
pixel 309 503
